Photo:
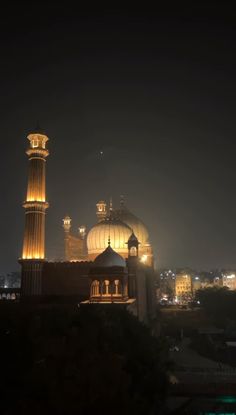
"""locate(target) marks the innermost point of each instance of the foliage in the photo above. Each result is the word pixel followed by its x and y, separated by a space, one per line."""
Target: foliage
pixel 96 359
pixel 218 301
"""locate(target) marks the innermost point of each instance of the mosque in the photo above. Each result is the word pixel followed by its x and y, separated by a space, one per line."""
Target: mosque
pixel 115 225
pixel 112 263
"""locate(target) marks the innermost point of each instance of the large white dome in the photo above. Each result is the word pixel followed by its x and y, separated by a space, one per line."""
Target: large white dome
pixel 134 223
pixel 112 229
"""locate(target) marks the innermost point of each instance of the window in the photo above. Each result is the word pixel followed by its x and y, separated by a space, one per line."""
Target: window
pixel 133 251
pixel 35 143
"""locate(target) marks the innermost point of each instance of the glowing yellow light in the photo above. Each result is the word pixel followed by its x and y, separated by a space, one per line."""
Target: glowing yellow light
pixel 230 276
pixel 34 143
pixel 144 258
pixel 33 199
pixel 82 231
pixel 66 223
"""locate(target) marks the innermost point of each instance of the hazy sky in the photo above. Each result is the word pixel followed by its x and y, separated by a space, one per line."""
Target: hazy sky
pixel 155 92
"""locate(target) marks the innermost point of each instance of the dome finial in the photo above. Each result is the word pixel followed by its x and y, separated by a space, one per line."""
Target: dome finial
pixel 109 258
pixel 66 223
pixel 122 201
pixel 38 129
pixel 109 236
pixel 111 207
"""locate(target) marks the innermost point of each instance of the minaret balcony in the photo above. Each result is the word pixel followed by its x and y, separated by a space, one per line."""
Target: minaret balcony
pixel 36 204
pixel 37 152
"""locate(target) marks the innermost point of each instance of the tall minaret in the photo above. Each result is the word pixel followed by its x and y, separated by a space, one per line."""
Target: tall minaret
pixel 33 254
pixel 67 226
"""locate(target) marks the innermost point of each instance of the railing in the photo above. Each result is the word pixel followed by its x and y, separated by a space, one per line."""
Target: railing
pixel 12 294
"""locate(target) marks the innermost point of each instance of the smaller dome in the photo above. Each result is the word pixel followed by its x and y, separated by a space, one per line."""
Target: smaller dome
pixel 109 258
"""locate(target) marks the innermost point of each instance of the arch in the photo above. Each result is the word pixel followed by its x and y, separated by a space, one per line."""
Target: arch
pixel 133 251
pixel 95 289
pixel 106 288
pixel 34 143
pixel 117 288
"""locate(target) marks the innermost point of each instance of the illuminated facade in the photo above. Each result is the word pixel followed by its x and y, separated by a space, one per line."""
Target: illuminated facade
pixel 114 224
pixel 35 204
pixel 110 228
pixel 183 285
pixel 229 280
pixel 113 263
pixel 109 278
pixel 35 208
pixel 74 246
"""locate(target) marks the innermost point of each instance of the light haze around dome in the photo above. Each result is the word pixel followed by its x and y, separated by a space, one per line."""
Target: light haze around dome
pixel 137 226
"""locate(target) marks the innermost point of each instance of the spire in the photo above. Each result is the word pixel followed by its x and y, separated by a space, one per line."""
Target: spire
pixel 82 231
pixel 133 244
pixel 122 201
pixel 133 238
pixel 109 237
pixel 66 223
pixel 38 129
pixel 101 210
pixel 111 207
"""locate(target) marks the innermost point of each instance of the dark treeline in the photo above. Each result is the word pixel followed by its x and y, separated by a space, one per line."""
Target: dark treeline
pixel 63 360
pixel 219 302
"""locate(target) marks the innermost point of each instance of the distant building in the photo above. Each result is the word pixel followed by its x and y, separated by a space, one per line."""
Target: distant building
pixel 229 280
pixel 196 284
pixel 183 287
pixel 166 278
pixel 217 282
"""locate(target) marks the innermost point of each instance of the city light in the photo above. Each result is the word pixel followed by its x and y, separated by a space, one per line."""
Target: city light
pixel 230 276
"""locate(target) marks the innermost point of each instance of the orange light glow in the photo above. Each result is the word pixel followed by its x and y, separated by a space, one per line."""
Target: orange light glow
pixel 35 204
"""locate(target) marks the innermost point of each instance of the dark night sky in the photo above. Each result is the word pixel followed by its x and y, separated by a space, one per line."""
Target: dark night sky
pixel 155 91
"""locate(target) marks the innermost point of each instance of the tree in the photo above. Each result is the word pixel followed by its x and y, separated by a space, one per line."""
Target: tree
pixel 95 359
pixel 218 301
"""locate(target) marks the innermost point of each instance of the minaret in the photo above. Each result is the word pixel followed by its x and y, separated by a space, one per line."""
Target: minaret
pixel 132 262
pixel 82 231
pixel 67 226
pixel 122 201
pixel 33 254
pixel 101 210
pixel 133 244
